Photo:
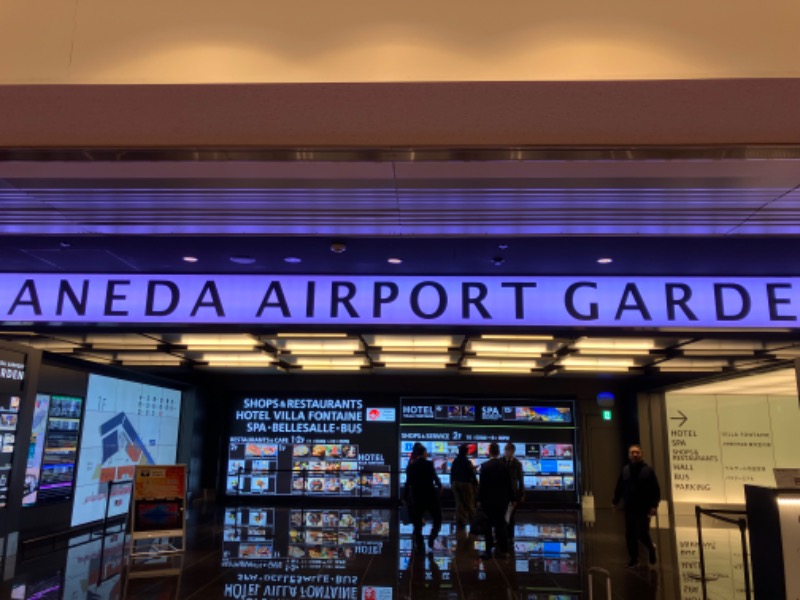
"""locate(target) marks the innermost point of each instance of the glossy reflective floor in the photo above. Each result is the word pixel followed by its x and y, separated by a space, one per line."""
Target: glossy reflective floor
pixel 249 552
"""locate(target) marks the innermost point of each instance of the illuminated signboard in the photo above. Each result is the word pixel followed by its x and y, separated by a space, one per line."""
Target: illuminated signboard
pixel 327 447
pixel 543 434
pixel 744 302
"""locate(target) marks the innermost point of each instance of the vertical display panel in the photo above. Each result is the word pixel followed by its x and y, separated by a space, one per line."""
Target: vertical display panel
pixel 125 424
pixel 9 414
pixel 543 433
pixel 53 452
pixel 326 447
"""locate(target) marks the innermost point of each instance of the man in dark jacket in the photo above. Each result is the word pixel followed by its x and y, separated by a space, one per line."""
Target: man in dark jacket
pixel 423 488
pixel 640 494
pixel 495 492
pixel 517 482
pixel 463 481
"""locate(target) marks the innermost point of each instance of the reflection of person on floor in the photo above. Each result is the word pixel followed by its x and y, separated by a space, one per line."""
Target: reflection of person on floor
pixel 639 492
pixel 494 493
pixel 422 491
pixel 517 482
pixel 464 482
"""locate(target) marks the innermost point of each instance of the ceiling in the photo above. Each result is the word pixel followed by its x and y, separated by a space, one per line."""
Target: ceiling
pixel 456 353
pixel 781 382
pixel 730 212
pixel 404 193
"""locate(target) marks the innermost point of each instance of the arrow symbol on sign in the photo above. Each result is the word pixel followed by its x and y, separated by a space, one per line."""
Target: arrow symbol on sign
pixel 683 418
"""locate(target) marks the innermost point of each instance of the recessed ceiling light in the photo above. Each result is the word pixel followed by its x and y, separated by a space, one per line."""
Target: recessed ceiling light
pixel 394 261
pixel 502 246
pixel 498 260
pixel 242 260
pixel 190 259
pixel 605 261
pixel 293 260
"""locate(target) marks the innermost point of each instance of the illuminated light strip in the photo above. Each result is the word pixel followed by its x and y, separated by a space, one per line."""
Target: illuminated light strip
pixel 311 335
pixel 513 338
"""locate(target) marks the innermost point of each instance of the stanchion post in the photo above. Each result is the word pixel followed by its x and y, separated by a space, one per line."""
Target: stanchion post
pixel 698 512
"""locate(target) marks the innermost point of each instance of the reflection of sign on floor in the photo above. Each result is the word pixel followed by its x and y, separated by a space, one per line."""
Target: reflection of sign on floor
pixel 723 560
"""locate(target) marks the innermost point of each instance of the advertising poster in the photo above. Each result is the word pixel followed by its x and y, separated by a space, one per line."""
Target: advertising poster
pixel 125 424
pixel 326 447
pixel 161 481
pixel 543 433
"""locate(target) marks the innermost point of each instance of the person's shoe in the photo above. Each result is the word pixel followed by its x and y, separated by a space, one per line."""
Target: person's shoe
pixel 633 564
pixel 653 556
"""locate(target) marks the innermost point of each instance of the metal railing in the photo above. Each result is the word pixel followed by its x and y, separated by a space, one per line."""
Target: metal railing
pixel 741 523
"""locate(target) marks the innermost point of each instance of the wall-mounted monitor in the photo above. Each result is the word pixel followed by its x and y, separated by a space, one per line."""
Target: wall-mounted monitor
pixel 53 451
pixel 125 424
pixel 312 446
pixel 543 433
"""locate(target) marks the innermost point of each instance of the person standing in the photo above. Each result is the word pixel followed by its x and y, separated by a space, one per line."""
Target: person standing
pixel 517 483
pixel 495 492
pixel 638 491
pixel 423 488
pixel 464 482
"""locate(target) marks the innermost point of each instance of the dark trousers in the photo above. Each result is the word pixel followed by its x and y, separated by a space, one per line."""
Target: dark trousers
pixel 637 529
pixel 497 529
pixel 417 512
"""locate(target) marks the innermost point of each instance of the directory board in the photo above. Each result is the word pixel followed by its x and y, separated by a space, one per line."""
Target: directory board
pixel 543 433
pixel 325 447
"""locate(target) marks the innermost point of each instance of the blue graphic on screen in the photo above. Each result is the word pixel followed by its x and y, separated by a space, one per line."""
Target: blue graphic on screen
pixel 118 433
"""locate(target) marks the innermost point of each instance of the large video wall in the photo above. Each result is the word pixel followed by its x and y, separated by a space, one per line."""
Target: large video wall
pixel 355 447
pixel 327 447
pixel 125 424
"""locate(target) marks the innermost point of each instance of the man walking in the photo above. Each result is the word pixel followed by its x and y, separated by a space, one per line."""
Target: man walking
pixel 639 492
pixel 423 488
pixel 495 491
pixel 517 483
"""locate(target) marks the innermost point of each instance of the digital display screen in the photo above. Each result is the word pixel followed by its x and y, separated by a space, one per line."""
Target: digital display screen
pixel 543 434
pixel 125 424
pixel 326 447
pixel 9 410
pixel 53 451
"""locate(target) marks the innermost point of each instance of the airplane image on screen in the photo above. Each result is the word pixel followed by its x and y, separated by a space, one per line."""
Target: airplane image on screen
pixel 122 449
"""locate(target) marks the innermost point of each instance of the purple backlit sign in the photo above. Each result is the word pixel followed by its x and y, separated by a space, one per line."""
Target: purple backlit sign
pixel 708 302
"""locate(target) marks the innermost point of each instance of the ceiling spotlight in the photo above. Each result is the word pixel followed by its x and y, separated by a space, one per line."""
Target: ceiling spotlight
pixel 293 260
pixel 190 259
pixel 65 244
pixel 394 261
pixel 605 261
pixel 242 260
pixel 502 246
pixel 338 247
pixel 498 260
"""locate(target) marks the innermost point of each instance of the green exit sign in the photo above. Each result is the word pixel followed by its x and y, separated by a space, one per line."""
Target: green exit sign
pixel 606 415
